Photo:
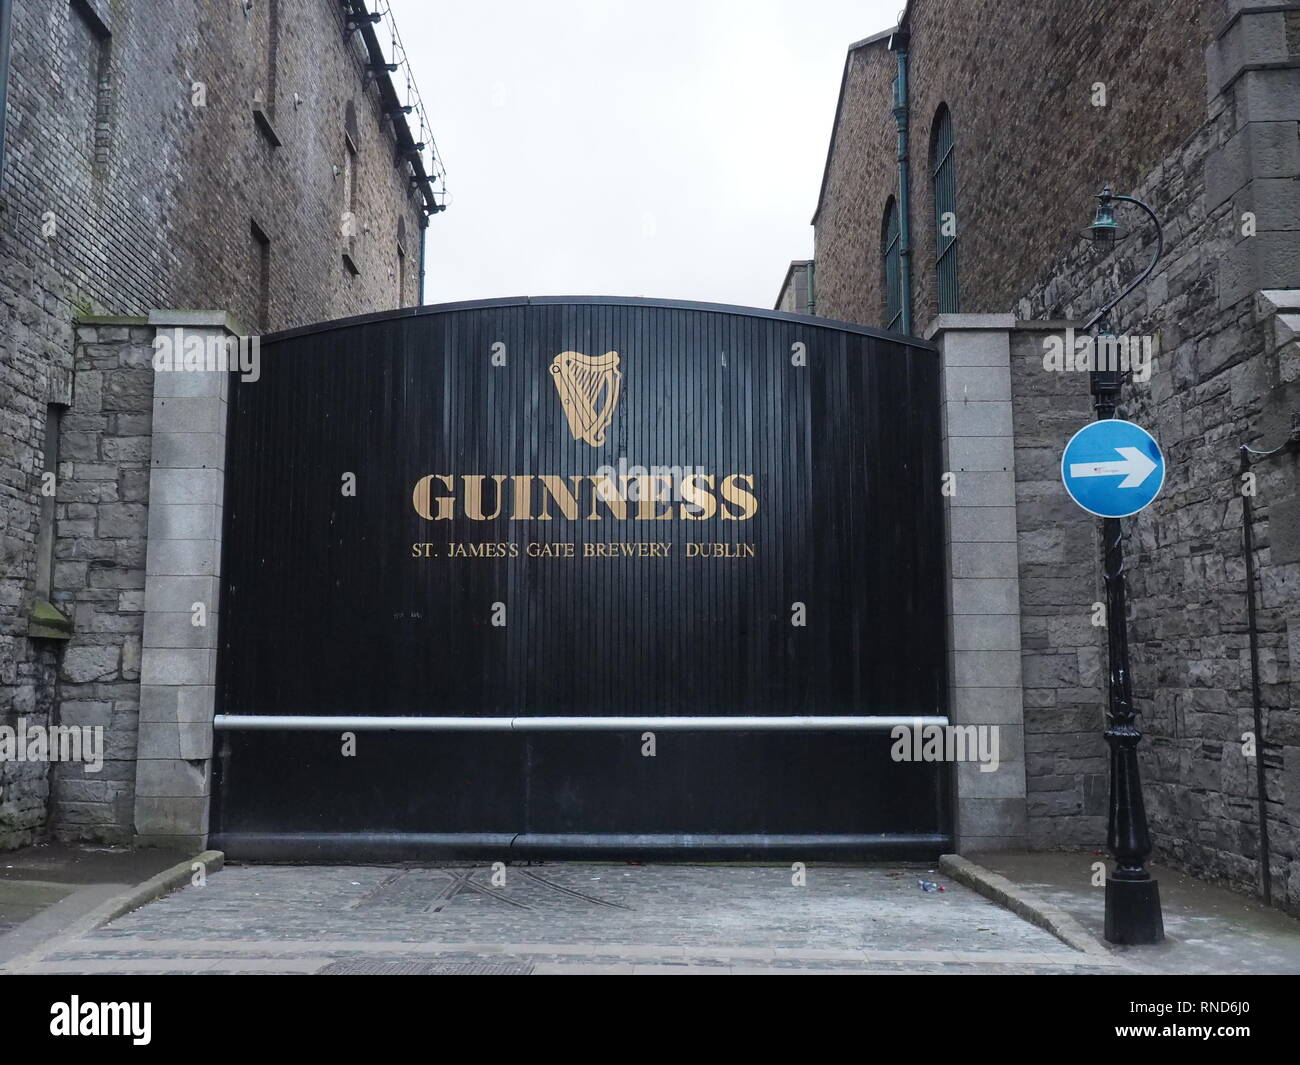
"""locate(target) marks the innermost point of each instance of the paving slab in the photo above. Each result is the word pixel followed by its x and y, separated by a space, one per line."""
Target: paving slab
pixel 1208 929
pixel 48 888
pixel 568 917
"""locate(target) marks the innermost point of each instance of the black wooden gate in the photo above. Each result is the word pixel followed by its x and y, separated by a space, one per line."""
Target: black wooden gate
pixel 461 540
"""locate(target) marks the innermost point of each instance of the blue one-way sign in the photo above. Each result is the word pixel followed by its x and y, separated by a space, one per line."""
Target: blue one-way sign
pixel 1112 468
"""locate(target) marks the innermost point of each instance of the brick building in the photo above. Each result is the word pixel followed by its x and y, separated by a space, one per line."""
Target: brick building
pixel 221 166
pixel 1009 122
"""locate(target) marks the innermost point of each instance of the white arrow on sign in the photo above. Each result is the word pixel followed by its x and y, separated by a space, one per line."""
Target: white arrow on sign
pixel 1135 467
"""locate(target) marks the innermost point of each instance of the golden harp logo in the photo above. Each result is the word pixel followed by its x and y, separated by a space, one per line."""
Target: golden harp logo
pixel 588 387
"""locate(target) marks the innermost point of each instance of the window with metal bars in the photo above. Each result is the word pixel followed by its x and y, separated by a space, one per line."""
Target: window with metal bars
pixel 943 175
pixel 891 273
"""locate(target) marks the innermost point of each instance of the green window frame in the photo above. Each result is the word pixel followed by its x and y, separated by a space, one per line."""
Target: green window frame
pixel 943 176
pixel 891 265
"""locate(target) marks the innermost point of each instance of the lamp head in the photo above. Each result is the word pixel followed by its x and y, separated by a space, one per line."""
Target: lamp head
pixel 1104 228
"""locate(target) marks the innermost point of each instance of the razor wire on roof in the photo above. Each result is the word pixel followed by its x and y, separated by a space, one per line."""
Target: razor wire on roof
pixel 410 115
pixel 433 163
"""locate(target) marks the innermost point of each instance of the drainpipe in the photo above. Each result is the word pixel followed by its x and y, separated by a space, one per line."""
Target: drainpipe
pixel 812 292
pixel 1248 456
pixel 424 235
pixel 6 27
pixel 898 44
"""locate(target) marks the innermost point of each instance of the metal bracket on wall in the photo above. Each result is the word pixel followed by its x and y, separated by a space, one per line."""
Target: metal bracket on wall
pixel 374 70
pixel 354 20
pixel 411 151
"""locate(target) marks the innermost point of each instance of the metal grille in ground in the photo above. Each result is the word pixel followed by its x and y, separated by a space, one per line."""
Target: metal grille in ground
pixel 369 967
pixel 435 890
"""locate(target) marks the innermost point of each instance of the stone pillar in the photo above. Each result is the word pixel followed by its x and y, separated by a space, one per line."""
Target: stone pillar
pixel 984 673
pixel 182 583
pixel 1253 84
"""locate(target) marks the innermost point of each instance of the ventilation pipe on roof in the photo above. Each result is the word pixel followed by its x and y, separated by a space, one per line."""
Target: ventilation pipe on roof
pixel 898 44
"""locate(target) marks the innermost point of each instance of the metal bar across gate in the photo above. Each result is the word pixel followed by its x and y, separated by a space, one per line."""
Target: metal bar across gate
pixel 323 723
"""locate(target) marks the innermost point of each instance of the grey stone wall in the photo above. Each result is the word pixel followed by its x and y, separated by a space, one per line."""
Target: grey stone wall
pixel 27 688
pixel 1203 122
pixel 138 544
pixel 99 572
pixel 1063 656
pixel 120 194
pixel 1226 374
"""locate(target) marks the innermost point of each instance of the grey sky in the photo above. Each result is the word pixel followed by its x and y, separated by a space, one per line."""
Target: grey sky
pixel 666 148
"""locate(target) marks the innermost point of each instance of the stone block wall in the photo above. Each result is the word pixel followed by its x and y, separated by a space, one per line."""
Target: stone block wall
pixel 1225 375
pixel 1202 121
pixel 138 545
pixel 99 571
pixel 1064 655
pixel 135 171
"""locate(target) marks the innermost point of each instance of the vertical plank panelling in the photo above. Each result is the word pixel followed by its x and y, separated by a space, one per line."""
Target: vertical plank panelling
pixel 328 612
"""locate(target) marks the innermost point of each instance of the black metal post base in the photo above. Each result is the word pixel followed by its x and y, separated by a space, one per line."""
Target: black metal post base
pixel 1133 912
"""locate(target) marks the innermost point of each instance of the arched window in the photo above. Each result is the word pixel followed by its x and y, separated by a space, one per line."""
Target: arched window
pixel 943 174
pixel 890 272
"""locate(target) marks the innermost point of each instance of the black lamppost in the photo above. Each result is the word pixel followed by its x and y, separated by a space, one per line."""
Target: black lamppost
pixel 1132 896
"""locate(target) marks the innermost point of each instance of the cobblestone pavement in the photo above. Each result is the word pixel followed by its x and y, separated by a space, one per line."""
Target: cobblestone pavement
pixel 566 917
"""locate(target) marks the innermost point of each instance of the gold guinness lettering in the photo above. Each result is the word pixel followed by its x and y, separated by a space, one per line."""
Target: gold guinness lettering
pixel 694 497
pixel 648 496
pixel 745 500
pixel 606 493
pixel 474 497
pixel 532 496
pixel 420 498
pixel 559 491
